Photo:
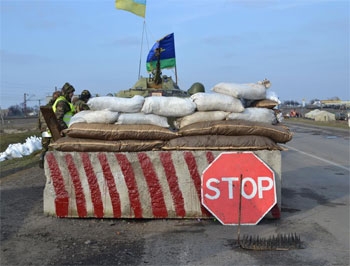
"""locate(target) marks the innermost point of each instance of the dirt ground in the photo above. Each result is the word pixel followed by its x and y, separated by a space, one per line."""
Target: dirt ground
pixel 30 238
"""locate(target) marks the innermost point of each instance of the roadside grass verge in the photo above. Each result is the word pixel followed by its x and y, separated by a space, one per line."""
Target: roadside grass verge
pixel 340 124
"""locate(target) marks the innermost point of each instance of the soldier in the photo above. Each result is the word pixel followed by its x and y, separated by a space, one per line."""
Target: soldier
pixel 81 103
pixel 45 133
pixel 63 108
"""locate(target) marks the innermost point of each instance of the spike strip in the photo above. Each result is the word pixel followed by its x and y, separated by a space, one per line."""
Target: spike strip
pixel 164 184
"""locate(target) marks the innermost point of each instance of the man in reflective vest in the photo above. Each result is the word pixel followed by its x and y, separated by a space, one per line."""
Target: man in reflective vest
pixel 63 108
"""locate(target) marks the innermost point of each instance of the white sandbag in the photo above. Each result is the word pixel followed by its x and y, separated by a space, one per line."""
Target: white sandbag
pixel 249 91
pixel 217 102
pixel 168 106
pixel 77 118
pixel 255 114
pixel 117 104
pixel 142 119
pixel 200 117
pixel 89 116
pixel 271 95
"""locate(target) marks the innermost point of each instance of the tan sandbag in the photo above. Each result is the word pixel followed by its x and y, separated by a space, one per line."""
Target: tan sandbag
pixel 220 142
pixel 119 132
pixel 266 103
pixel 278 133
pixel 68 144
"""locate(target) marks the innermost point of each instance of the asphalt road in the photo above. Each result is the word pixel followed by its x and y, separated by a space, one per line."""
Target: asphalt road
pixel 315 205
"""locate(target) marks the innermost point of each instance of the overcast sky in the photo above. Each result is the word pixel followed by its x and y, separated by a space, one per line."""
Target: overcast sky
pixel 301 46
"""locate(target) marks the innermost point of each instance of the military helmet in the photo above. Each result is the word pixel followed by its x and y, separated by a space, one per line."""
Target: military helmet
pixel 196 87
pixel 85 94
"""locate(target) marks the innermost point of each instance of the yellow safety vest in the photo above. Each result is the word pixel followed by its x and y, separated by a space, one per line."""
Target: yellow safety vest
pixel 67 116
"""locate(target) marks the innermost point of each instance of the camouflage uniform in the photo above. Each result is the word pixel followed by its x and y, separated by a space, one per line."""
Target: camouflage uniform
pixel 81 103
pixel 63 106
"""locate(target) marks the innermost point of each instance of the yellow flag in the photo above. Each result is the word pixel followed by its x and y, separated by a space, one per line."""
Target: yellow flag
pixel 138 7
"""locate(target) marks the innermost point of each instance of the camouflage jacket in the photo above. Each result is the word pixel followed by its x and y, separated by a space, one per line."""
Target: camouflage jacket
pixel 80 105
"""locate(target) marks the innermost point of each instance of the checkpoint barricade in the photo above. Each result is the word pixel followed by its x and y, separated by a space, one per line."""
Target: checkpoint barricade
pixel 149 185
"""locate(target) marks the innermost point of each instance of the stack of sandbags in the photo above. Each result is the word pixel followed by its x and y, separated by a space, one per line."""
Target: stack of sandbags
pixel 257 107
pixel 95 137
pixel 230 135
pixel 124 124
pixel 218 120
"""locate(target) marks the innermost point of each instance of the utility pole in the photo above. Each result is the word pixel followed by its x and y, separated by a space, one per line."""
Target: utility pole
pixel 25 104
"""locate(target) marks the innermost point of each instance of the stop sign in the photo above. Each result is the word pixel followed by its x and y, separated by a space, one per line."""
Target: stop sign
pixel 238 188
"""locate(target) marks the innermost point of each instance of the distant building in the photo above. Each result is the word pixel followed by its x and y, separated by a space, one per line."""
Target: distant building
pixel 4 112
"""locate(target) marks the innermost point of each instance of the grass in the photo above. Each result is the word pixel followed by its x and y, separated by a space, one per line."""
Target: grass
pixel 11 166
pixel 340 124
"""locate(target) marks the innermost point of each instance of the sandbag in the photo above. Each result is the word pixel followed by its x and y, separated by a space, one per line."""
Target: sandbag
pixel 168 106
pixel 217 102
pixel 89 116
pixel 117 104
pixel 265 103
pixel 254 114
pixel 250 91
pixel 200 117
pixel 220 142
pixel 142 119
pixel 278 133
pixel 119 132
pixel 68 144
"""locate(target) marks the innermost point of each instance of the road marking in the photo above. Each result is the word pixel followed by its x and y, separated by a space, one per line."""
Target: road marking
pixel 318 158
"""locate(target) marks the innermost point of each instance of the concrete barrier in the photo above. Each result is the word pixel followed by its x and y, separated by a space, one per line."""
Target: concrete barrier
pixel 152 184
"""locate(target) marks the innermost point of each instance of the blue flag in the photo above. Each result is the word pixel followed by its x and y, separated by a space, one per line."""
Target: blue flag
pixel 167 53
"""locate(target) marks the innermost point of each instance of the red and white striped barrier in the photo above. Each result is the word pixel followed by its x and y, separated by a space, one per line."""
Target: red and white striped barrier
pixel 152 184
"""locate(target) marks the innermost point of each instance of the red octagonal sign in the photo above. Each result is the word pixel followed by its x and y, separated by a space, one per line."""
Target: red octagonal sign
pixel 238 188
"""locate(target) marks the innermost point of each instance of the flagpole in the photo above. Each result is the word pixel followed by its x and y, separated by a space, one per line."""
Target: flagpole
pixel 143 30
pixel 175 75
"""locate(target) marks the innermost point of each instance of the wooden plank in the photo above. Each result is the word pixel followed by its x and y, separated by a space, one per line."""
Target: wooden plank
pixel 51 121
